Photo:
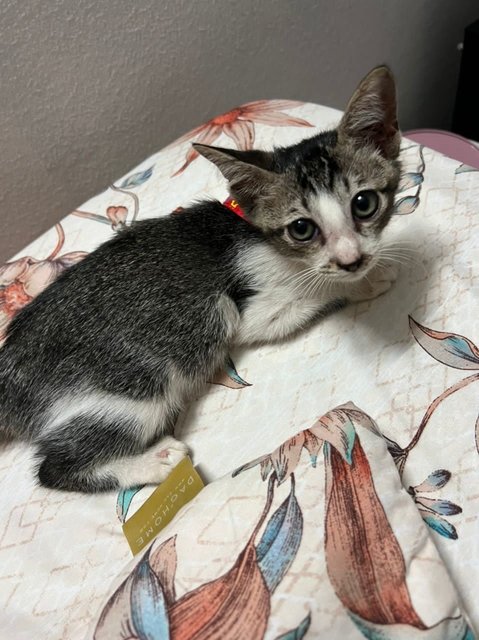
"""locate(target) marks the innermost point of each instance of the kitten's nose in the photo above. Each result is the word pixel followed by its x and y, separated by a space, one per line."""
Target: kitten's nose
pixel 345 250
pixel 352 266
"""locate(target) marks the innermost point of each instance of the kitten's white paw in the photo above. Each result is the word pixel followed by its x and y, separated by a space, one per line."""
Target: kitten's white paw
pixel 151 467
pixel 170 451
pixel 160 459
pixel 378 281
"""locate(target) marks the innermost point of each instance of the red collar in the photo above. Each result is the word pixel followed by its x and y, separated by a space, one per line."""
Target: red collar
pixel 233 206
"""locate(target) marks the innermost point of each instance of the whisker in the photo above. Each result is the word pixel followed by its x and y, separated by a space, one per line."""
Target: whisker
pixel 322 285
pixel 314 285
pixel 404 254
pixel 399 259
pixel 404 260
pixel 305 281
pixel 299 277
pixel 311 285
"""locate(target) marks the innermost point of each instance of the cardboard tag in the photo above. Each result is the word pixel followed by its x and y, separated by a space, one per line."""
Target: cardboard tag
pixel 181 486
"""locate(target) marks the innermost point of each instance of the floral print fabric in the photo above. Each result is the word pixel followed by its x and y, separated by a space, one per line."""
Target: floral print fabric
pixel 326 533
pixel 409 360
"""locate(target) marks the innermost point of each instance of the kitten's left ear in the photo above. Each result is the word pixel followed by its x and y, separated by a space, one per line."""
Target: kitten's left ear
pixel 371 115
pixel 247 171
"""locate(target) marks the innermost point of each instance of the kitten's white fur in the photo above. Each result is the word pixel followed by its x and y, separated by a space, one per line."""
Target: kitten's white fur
pixel 278 309
pixel 147 414
pixel 152 467
pixel 341 242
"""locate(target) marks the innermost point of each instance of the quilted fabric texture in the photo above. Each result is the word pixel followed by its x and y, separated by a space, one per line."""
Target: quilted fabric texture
pixel 407 359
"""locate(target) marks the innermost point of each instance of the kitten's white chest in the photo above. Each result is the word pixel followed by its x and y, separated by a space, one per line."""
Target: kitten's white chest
pixel 271 317
pixel 278 309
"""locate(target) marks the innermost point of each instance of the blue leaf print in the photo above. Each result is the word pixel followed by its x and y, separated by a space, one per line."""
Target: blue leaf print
pixel 409 180
pixel 349 439
pixel 123 501
pixel 451 349
pixel 228 377
pixel 465 168
pixel 233 374
pixel 435 480
pixel 366 628
pixel 439 525
pixel 458 346
pixel 148 605
pixel 266 468
pixel 336 428
pixel 137 179
pixel 405 205
pixel 299 632
pixel 280 541
pixel 442 507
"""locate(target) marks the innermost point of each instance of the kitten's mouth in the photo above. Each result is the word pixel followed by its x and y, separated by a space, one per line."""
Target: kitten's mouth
pixel 354 271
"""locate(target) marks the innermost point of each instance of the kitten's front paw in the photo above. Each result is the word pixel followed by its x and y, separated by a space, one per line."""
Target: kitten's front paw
pixel 151 467
pixel 378 281
pixel 170 451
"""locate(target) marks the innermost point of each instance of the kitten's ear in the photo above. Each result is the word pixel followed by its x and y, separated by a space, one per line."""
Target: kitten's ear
pixel 247 171
pixel 371 115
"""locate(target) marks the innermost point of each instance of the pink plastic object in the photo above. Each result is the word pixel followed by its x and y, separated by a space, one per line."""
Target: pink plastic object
pixel 450 144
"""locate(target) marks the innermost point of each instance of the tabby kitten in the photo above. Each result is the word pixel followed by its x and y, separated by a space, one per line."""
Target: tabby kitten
pixel 95 370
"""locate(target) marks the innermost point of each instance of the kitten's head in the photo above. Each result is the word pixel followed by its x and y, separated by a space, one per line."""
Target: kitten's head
pixel 325 200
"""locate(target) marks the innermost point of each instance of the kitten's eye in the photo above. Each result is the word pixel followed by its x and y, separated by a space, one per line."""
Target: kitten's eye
pixel 303 230
pixel 365 204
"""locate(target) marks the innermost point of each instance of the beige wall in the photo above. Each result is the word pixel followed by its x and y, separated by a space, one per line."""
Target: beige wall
pixel 90 87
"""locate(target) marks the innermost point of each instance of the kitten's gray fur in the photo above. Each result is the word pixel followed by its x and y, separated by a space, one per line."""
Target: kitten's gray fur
pixel 95 370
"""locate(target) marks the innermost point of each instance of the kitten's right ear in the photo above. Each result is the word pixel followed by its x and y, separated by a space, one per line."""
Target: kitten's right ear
pixel 371 115
pixel 248 172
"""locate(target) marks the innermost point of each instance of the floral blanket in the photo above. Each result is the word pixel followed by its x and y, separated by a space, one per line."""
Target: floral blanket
pixel 333 548
pixel 363 524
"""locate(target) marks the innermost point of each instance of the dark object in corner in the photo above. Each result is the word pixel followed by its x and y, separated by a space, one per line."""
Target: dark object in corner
pixel 465 120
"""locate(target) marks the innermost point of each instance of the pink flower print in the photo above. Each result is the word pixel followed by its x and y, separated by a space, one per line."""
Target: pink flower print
pixel 23 279
pixel 238 124
pixel 117 216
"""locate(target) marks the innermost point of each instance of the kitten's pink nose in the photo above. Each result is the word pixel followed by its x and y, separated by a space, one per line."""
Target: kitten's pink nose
pixel 351 266
pixel 345 251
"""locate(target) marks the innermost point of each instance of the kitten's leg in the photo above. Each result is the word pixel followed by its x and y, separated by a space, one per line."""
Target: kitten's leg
pixel 151 467
pixel 94 453
pixel 378 281
pixel 103 441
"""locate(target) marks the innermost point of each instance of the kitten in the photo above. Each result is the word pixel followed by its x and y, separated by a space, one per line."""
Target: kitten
pixel 95 370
